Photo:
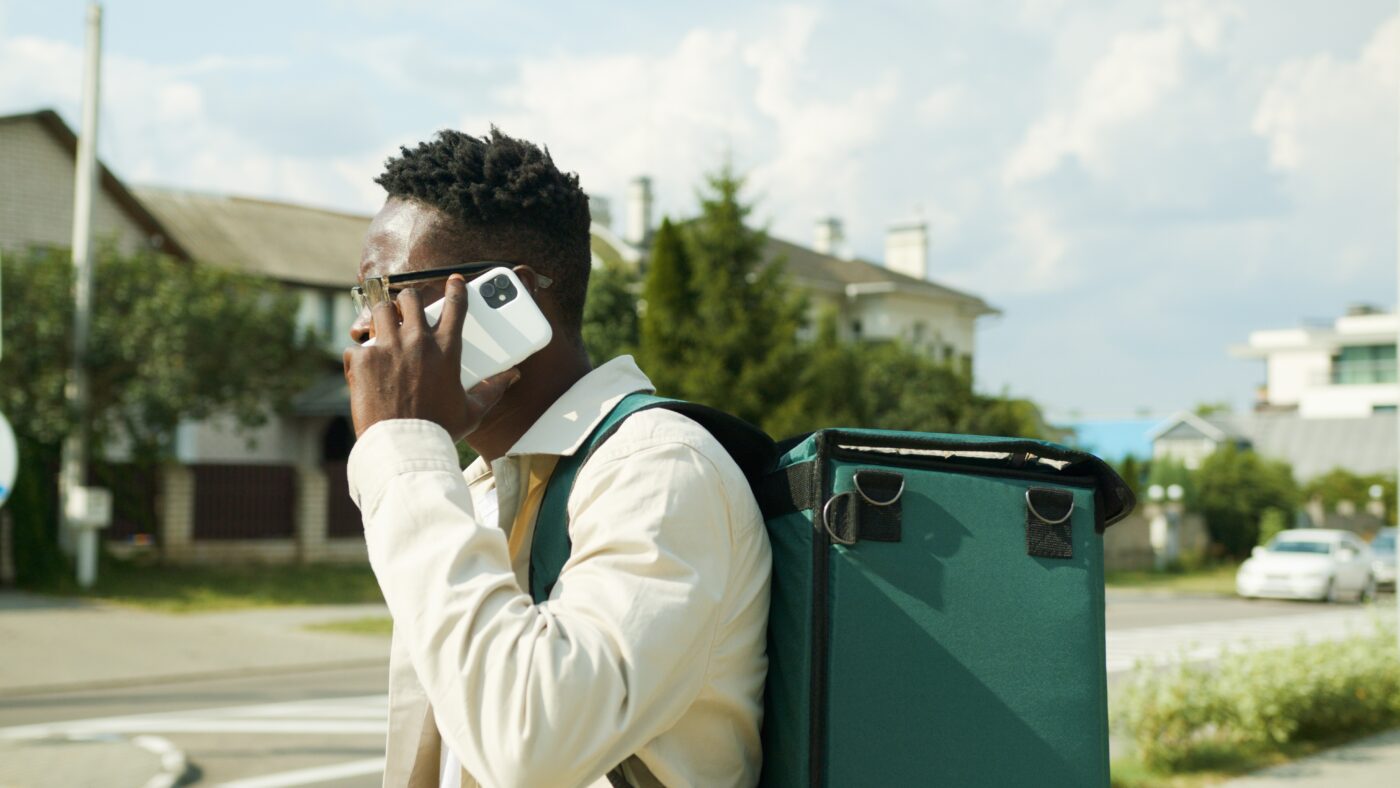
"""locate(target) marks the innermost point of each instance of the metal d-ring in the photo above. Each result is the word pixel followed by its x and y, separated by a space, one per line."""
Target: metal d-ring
pixel 872 501
pixel 1043 518
pixel 826 521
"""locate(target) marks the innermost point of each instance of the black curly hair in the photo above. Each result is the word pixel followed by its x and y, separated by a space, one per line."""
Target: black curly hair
pixel 510 203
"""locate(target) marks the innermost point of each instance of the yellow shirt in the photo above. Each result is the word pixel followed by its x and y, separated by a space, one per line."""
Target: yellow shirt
pixel 651 647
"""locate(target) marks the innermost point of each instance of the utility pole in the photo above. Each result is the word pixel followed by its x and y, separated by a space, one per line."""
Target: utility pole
pixel 85 509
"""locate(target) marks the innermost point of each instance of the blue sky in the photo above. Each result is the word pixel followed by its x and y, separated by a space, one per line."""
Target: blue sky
pixel 1136 184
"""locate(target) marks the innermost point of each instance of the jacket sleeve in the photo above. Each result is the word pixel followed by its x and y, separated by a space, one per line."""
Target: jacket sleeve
pixel 557 693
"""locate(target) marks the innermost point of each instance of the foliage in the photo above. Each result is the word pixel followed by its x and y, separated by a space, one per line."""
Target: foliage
pixel 1233 489
pixel 1134 472
pixel 736 324
pixel 1340 484
pixel 668 331
pixel 1273 522
pixel 169 342
pixel 610 322
pixel 1204 409
pixel 1188 717
pixel 720 325
pixel 1166 471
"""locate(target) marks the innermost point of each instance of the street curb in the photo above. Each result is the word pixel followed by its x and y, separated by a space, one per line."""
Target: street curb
pixel 175 767
pixel 209 675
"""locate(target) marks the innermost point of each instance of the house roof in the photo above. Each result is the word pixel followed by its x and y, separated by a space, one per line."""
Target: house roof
pixel 1218 427
pixel 855 276
pixel 159 235
pixel 291 243
pixel 1315 446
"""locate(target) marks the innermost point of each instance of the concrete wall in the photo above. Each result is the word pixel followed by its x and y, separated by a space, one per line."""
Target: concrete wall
pixel 36 201
pixel 1127 545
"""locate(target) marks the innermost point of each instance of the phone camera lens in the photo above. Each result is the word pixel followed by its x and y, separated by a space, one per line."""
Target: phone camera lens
pixel 488 290
pixel 501 282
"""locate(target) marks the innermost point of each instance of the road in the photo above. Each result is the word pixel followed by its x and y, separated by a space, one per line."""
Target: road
pixel 326 728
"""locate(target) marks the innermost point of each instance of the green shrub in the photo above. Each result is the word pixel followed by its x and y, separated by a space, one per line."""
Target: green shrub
pixel 1189 717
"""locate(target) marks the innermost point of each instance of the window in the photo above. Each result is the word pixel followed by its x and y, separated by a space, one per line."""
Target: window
pixel 1362 364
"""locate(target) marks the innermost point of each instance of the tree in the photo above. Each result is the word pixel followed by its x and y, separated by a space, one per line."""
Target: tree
pixel 610 323
pixel 1340 484
pixel 739 346
pixel 1234 488
pixel 170 341
pixel 670 325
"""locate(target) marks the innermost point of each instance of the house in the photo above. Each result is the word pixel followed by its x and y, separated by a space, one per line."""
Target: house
pixel 873 302
pixel 1328 400
pixel 1342 369
pixel 1189 438
pixel 278 494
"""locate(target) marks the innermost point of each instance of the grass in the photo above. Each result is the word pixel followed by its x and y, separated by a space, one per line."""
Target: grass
pixel 1210 579
pixel 184 589
pixel 377 626
pixel 1225 764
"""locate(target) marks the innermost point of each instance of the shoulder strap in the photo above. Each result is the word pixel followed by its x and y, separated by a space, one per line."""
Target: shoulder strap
pixel 750 447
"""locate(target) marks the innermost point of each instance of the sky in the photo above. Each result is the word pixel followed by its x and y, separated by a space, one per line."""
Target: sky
pixel 1137 185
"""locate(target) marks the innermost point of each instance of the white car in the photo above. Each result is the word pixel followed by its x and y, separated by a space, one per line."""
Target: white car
pixel 1383 566
pixel 1309 563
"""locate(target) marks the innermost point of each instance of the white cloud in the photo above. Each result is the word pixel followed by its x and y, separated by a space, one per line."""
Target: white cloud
pixel 675 115
pixel 1139 70
pixel 157 126
pixel 1319 109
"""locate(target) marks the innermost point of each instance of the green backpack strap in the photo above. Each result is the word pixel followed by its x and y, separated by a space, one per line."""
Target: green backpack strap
pixel 751 449
pixel 551 545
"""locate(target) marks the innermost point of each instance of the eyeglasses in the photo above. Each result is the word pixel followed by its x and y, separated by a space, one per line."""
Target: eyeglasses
pixel 378 289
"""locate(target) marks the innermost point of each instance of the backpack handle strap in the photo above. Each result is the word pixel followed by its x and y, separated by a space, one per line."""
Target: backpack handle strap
pixel 751 449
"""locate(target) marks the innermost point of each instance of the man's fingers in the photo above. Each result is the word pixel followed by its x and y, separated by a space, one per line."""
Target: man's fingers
pixel 385 317
pixel 411 310
pixel 488 392
pixel 454 314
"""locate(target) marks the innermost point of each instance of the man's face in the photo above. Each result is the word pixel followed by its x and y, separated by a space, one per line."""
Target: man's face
pixel 405 236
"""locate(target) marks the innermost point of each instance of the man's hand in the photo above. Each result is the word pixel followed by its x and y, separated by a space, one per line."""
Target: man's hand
pixel 413 371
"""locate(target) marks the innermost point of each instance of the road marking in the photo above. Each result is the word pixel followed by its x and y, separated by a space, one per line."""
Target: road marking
pixel 362 715
pixel 318 774
pixel 1205 641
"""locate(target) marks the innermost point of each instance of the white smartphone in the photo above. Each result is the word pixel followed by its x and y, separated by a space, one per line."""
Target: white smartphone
pixel 504 326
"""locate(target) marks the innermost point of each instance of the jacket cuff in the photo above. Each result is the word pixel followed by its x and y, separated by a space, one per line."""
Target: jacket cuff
pixel 390 448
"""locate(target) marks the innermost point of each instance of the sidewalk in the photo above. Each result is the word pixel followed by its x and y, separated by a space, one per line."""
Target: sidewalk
pixel 1367 763
pixel 53 644
pixel 50 644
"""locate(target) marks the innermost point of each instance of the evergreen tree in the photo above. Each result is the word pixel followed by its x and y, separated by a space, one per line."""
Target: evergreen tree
pixel 745 356
pixel 670 323
pixel 610 326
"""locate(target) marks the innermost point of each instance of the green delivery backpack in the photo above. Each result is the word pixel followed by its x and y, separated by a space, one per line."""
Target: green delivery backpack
pixel 937 602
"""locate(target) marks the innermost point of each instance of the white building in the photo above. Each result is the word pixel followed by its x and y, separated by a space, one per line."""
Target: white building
pixel 1345 370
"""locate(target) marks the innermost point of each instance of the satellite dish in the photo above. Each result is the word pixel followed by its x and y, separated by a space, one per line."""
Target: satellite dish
pixel 9 459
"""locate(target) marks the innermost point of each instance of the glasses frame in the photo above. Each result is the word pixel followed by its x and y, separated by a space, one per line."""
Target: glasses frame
pixel 375 289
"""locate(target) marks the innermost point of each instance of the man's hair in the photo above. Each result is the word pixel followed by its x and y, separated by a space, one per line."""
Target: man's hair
pixel 510 200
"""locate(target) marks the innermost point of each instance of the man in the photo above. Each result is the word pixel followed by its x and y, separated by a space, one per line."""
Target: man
pixel 647 662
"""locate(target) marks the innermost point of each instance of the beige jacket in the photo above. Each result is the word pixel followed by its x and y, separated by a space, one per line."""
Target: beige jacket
pixel 652 643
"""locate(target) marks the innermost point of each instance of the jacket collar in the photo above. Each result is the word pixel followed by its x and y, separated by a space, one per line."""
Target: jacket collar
pixel 570 420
